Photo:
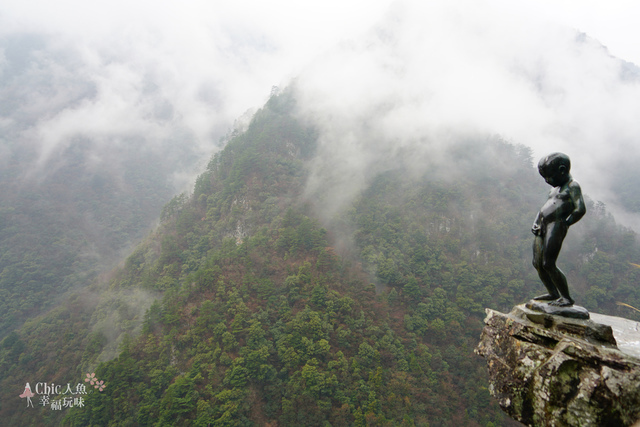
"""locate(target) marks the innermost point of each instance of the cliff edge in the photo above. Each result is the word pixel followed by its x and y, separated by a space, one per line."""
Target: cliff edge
pixel 555 371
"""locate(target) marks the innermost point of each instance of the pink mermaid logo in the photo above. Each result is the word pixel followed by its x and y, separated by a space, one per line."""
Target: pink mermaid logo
pixel 28 394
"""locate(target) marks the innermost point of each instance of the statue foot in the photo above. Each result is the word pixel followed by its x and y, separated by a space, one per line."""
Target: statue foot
pixel 547 297
pixel 562 302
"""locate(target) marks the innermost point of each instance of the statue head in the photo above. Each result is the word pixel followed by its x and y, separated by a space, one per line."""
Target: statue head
pixel 555 168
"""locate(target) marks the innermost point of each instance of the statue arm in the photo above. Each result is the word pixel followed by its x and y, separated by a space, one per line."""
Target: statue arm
pixel 578 202
pixel 537 224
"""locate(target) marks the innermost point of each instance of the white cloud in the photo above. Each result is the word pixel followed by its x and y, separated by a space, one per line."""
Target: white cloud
pixel 139 69
pixel 613 23
pixel 434 70
pixel 160 68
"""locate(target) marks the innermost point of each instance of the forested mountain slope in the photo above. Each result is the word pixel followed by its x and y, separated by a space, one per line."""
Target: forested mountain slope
pixel 58 231
pixel 79 187
pixel 266 316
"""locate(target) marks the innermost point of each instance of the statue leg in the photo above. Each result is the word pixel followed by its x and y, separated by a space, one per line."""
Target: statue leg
pixel 553 239
pixel 538 251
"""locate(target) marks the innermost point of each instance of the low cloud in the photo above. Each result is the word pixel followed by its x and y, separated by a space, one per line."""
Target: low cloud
pixel 149 72
pixel 172 74
pixel 434 72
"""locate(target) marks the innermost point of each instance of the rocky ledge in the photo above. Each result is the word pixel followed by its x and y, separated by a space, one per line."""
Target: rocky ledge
pixel 547 370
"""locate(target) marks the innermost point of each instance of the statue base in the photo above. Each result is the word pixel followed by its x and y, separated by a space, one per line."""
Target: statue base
pixel 551 370
pixel 572 311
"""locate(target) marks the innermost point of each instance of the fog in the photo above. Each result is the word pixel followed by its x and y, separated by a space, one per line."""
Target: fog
pixel 125 86
pixel 154 73
pixel 378 77
pixel 109 109
pixel 432 73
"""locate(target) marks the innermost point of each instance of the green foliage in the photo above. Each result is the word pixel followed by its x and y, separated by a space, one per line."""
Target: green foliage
pixel 65 222
pixel 270 325
pixel 251 318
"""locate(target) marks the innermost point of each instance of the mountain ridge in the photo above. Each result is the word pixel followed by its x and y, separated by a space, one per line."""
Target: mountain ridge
pixel 257 315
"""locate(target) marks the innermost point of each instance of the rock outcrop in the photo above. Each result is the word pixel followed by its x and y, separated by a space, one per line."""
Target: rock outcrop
pixel 547 370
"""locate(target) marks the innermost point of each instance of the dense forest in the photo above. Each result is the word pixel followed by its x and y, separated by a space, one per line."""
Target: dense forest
pixel 66 224
pixel 73 204
pixel 245 307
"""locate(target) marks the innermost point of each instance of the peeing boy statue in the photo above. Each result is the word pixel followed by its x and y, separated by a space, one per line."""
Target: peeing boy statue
pixel 564 207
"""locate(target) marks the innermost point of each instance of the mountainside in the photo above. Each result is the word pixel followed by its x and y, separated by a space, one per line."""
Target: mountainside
pixel 86 164
pixel 59 231
pixel 251 305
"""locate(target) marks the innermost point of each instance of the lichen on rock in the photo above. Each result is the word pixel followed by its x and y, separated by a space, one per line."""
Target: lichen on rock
pixel 547 370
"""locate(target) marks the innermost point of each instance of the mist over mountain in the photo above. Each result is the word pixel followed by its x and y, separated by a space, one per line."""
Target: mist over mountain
pixel 258 314
pixel 434 73
pixel 106 113
pixel 83 176
pixel 345 237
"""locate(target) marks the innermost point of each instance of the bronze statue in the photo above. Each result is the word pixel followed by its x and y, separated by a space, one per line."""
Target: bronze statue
pixel 564 207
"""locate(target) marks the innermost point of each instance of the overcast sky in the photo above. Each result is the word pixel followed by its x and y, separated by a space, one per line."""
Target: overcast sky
pixel 243 47
pixel 432 72
pixel 295 30
pixel 121 68
pixel 613 23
